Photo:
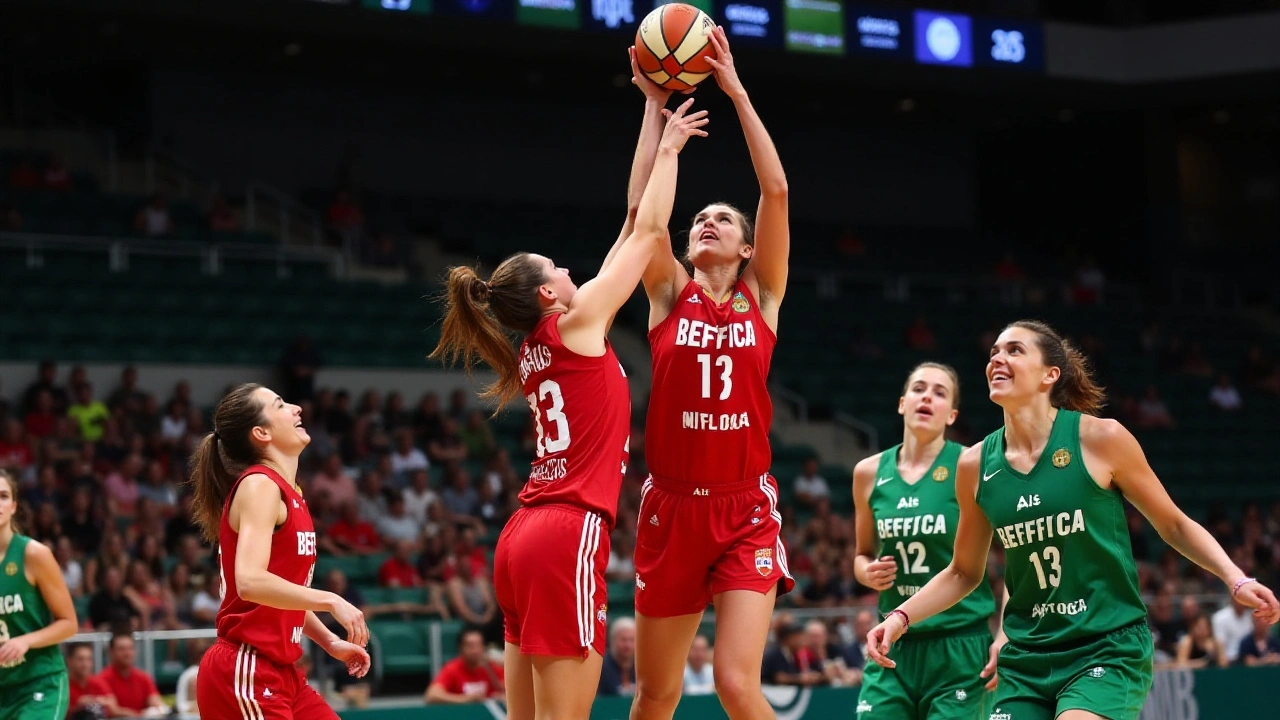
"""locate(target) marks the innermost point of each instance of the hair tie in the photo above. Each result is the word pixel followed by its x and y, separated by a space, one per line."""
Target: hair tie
pixel 217 435
pixel 483 291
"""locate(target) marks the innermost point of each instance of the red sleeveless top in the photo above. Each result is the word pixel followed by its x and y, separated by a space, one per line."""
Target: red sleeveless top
pixel 276 634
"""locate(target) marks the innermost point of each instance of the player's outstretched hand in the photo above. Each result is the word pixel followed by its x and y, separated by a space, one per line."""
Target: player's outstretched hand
pixel 680 127
pixel 882 573
pixel 353 656
pixel 726 72
pixel 882 637
pixel 1261 599
pixel 989 670
pixel 652 90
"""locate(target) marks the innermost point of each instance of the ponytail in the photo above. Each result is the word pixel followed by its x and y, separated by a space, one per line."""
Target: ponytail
pixel 1075 388
pixel 479 314
pixel 222 455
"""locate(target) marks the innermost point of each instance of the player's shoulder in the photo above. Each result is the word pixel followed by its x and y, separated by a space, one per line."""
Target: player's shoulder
pixel 970 459
pixel 866 468
pixel 1095 429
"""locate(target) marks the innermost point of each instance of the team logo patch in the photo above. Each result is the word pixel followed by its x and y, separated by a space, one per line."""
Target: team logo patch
pixel 764 561
pixel 1061 458
pixel 602 614
pixel 11 569
pixel 740 303
pixel 941 474
pixel 1097 672
pixel 961 695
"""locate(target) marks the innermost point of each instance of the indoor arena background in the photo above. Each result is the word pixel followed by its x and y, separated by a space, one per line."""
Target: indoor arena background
pixel 200 193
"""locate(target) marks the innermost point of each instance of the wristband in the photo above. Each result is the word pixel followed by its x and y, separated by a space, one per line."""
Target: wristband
pixel 1241 583
pixel 906 621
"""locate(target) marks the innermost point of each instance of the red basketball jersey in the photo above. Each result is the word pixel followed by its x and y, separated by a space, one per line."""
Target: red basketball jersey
pixel 276 634
pixel 582 409
pixel 710 410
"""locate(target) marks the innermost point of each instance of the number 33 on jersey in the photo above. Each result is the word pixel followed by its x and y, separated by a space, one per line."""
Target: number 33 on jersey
pixel 582 419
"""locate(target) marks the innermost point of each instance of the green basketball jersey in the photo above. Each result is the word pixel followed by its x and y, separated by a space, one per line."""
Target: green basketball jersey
pixel 22 610
pixel 916 524
pixel 1069 564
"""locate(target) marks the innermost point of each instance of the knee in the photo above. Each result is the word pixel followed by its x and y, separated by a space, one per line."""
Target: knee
pixel 734 685
pixel 658 695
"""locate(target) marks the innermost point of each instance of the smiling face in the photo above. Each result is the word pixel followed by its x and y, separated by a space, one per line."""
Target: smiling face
pixel 1016 371
pixel 927 404
pixel 281 423
pixel 719 235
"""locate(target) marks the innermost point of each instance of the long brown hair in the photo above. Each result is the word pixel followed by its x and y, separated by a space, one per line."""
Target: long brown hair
pixel 479 317
pixel 1075 388
pixel 19 510
pixel 744 224
pixel 223 454
pixel 950 371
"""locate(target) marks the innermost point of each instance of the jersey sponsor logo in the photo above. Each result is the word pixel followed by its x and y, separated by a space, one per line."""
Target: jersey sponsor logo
pixel 998 715
pixel 907 590
pixel 881 481
pixel 908 502
pixel 10 604
pixel 549 469
pixel 296 636
pixel 1075 607
pixel 692 420
pixel 701 492
pixel 535 358
pixel 1061 458
pixel 696 333
pixel 306 543
pixel 11 569
pixel 986 477
pixel 1097 672
pixel 764 561
pixel 1027 501
pixel 1041 529
pixel 740 303
pixel 864 706
pixel 911 525
pixel 941 474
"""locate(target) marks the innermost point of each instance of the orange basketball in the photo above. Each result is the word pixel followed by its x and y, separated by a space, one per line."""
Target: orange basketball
pixel 672 46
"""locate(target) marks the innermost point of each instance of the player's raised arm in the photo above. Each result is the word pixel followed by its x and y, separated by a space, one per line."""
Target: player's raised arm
pixel 773 231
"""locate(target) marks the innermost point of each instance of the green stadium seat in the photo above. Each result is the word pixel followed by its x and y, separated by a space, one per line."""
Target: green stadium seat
pixel 403 647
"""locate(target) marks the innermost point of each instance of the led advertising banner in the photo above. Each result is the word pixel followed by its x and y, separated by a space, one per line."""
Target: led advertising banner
pixel 943 38
pixel 549 13
pixel 751 22
pixel 880 32
pixel 815 26
pixel 417 7
pixel 1008 44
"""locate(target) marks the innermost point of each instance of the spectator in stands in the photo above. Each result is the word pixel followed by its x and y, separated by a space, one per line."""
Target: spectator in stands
pixel 618 671
pixel 477 437
pixel 174 424
pixel 24 176
pixel 699 677
pixel 833 660
pixel 406 459
pixel 352 689
pixel 920 336
pixel 398 570
pixel 338 419
pixel 1224 396
pixel 1165 628
pixel 10 218
pixel 222 217
pixel 822 590
pixel 89 697
pixel 345 219
pixel 499 474
pixel 1198 648
pixel 862 346
pixel 1259 372
pixel 809 485
pixel 205 604
pixel 46 377
pixel 1232 624
pixel 781 665
pixel 56 176
pixel 122 486
pixel 448 447
pixel 72 571
pixel 418 496
pixel 1261 647
pixel 146 595
pixel 458 401
pixel 179 596
pixel 469 678
pixel 298 366
pixel 621 567
pixel 1153 413
pixel 333 480
pixel 83 527
pixel 153 219
pixel 372 501
pixel 394 415
pixel 111 554
pixel 471 600
pixel 135 691
pixel 41 421
pixel 45 529
pixel 351 534
pixel 493 509
pixel 459 497
pixel 428 422
pixel 398 527
pixel 1089 283
pixel 1195 363
pixel 90 415
pixel 15 451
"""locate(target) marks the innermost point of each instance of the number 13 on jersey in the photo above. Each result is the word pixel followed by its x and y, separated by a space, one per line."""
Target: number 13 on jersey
pixel 559 440
pixel 724 364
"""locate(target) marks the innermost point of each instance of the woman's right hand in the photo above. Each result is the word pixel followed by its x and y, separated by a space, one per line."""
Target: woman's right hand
pixel 882 637
pixel 652 90
pixel 882 573
pixel 681 127
pixel 352 620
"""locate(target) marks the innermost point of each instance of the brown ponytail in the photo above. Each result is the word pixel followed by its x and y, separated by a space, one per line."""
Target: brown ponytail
pixel 19 515
pixel 1075 389
pixel 476 313
pixel 223 454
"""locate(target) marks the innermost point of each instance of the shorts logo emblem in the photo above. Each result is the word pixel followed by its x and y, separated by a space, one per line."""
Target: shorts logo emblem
pixel 764 561
pixel 961 695
pixel 1097 672
pixel 602 614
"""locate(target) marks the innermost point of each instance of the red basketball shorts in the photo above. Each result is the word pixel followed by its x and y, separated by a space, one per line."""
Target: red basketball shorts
pixel 235 683
pixel 695 542
pixel 548 576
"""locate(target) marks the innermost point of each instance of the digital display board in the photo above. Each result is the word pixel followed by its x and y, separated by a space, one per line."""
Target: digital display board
pixel 618 15
pixel 815 26
pixel 417 7
pixel 943 38
pixel 1008 44
pixel 880 32
pixel 703 5
pixel 487 9
pixel 751 22
pixel 549 13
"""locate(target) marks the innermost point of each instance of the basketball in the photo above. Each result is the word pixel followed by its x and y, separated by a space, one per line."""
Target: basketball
pixel 672 45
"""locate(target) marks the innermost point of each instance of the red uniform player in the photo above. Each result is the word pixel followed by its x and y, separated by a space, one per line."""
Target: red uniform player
pixel 709 527
pixel 248 502
pixel 550 560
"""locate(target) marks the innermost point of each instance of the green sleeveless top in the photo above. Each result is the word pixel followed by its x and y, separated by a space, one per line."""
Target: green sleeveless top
pixel 916 524
pixel 1069 565
pixel 22 610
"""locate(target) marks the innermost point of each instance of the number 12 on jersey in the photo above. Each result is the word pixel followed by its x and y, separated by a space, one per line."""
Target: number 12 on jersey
pixel 555 416
pixel 725 364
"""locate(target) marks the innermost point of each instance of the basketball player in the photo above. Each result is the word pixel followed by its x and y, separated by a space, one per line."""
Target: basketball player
pixel 248 501
pixel 1051 485
pixel 551 557
pixel 709 523
pixel 36 613
pixel 905 517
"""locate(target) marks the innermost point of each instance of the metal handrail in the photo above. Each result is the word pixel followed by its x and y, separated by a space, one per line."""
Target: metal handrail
pixel 259 194
pixel 795 399
pixel 858 427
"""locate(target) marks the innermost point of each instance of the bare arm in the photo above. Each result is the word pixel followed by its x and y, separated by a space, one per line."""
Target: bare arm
pixel 314 628
pixel 258 507
pixel 438 695
pixel 47 577
pixel 877 573
pixel 655 98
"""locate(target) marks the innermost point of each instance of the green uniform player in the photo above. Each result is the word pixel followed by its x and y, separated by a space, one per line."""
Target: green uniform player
pixel 1050 486
pixel 33 676
pixel 906 521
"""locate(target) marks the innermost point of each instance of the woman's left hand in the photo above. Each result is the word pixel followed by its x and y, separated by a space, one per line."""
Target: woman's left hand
pixel 353 656
pixel 726 73
pixel 1253 594
pixel 12 651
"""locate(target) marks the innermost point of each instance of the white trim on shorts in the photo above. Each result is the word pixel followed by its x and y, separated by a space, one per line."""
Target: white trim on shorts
pixel 585 578
pixel 242 687
pixel 779 550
